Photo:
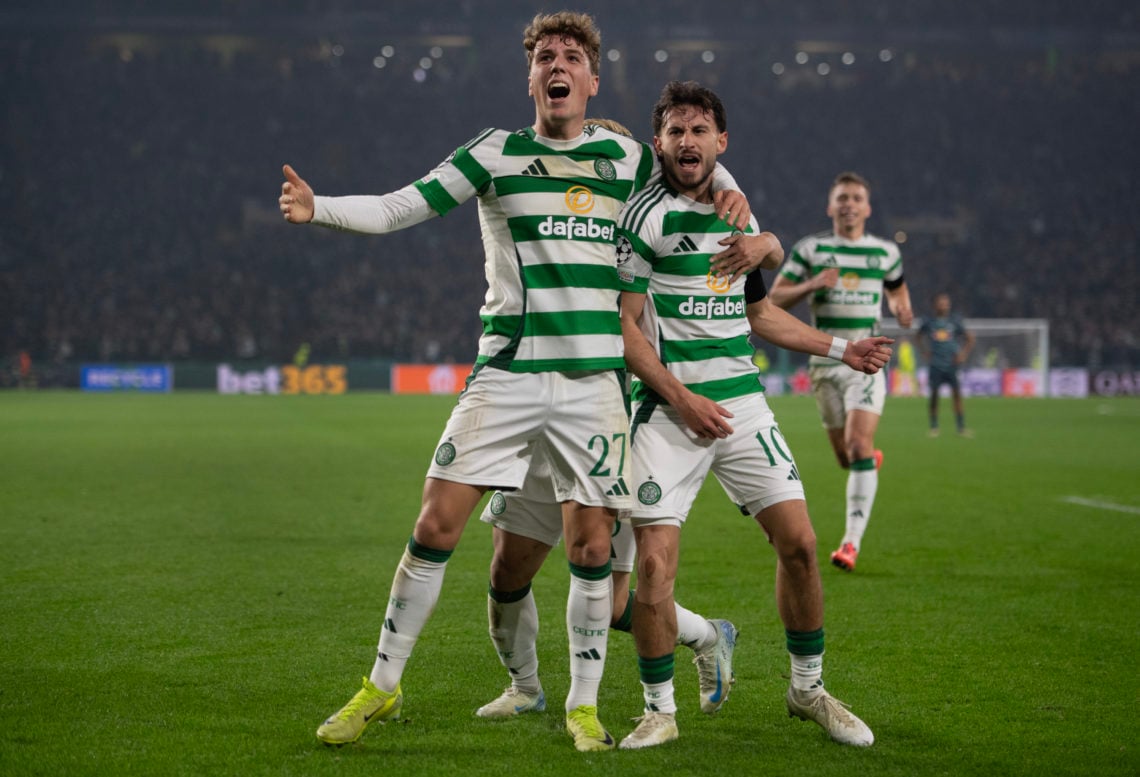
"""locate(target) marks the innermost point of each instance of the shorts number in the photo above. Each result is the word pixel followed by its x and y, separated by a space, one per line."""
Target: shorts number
pixel 776 437
pixel 600 469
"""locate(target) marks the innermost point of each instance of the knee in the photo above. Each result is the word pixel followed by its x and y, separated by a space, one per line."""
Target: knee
pixel 796 549
pixel 588 551
pixel 505 575
pixel 860 448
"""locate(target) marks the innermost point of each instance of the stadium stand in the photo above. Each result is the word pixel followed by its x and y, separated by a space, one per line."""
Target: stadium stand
pixel 140 158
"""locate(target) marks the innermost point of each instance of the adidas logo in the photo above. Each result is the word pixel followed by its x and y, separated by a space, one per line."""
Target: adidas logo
pixel 686 246
pixel 619 488
pixel 536 168
pixel 390 625
pixel 857 514
pixel 589 655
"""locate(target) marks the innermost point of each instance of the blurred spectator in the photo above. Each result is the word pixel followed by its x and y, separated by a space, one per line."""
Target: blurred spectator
pixel 140 178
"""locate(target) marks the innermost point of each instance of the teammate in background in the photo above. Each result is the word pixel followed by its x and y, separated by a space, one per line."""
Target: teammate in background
pixel 699 406
pixel 845 272
pixel 527 525
pixel 946 344
pixel 547 372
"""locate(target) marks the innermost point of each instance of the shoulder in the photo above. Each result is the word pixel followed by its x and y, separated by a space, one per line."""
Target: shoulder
pixel 646 207
pixel 808 244
pixel 889 246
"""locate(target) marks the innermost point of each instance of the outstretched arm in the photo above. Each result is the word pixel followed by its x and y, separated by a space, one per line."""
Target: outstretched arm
pixel 703 416
pixel 781 328
pixel 368 214
pixel 296 200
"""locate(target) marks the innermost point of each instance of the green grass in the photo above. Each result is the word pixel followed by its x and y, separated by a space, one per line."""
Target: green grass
pixel 191 583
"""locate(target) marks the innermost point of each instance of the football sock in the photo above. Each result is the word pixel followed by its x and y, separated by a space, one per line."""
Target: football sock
pixel 512 621
pixel 862 483
pixel 657 683
pixel 961 420
pixel 694 630
pixel 415 590
pixel 589 609
pixel 806 651
pixel 624 622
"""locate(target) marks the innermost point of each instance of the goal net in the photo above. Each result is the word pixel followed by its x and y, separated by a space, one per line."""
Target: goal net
pixel 1010 358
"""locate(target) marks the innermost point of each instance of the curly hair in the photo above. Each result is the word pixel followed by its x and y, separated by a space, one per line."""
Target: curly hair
pixel 578 27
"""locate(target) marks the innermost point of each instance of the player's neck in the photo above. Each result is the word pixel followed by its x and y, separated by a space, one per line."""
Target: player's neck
pixel 849 233
pixel 561 130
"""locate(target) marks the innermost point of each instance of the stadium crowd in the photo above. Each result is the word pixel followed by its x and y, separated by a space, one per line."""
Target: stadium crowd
pixel 140 178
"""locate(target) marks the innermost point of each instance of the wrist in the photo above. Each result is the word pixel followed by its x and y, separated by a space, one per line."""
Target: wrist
pixel 838 348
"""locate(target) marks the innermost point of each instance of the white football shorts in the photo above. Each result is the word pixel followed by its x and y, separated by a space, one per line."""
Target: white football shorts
pixel 754 464
pixel 534 511
pixel 839 389
pixel 503 417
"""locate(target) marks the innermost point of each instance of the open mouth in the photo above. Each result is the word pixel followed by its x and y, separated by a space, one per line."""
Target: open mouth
pixel 688 161
pixel 557 90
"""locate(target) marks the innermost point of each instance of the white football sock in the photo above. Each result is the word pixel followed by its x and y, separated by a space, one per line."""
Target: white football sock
pixel 861 487
pixel 513 627
pixel 807 672
pixel 415 591
pixel 694 630
pixel 589 609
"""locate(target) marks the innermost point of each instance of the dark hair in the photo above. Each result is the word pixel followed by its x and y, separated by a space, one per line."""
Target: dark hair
pixel 579 27
pixel 850 177
pixel 677 93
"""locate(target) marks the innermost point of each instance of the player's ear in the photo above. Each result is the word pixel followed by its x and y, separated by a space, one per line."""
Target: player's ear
pixel 722 143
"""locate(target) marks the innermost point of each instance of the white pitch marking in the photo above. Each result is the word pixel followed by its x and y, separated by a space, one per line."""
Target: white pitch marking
pixel 1078 500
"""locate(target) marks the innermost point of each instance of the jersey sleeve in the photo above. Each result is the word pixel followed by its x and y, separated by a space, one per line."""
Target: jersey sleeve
pixel 467 172
pixel 797 267
pixel 636 238
pixel 894 264
pixel 372 214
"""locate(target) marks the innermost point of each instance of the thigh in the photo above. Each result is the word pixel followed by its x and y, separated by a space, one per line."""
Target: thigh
pixel 586 433
pixel 754 465
pixel 532 511
pixel 669 467
pixel 828 393
pixel 867 393
pixel 491 434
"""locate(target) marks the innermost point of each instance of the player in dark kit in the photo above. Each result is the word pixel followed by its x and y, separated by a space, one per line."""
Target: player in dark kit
pixel 945 344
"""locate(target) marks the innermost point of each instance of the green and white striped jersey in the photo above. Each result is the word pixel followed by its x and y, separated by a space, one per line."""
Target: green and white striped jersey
pixel 854 307
pixel 696 322
pixel 547 211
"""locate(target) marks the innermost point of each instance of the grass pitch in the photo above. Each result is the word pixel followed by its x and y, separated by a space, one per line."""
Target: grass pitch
pixel 192 582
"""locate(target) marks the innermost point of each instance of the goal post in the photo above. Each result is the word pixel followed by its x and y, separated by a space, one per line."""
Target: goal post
pixel 1010 358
